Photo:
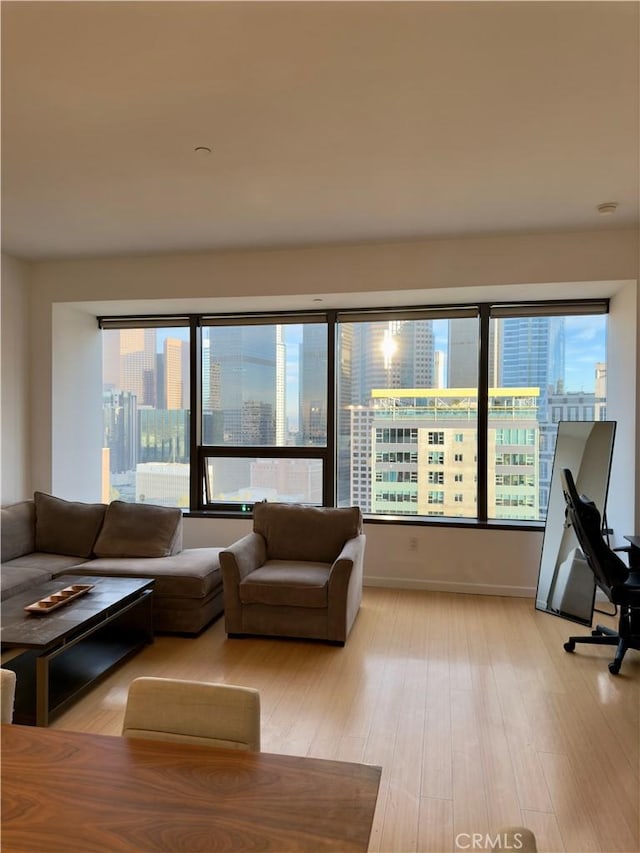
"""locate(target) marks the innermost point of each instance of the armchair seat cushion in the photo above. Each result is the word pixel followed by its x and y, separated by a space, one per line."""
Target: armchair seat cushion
pixel 287 582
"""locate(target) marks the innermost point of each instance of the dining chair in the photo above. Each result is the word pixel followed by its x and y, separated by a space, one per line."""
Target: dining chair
pixel 7 694
pixel 222 715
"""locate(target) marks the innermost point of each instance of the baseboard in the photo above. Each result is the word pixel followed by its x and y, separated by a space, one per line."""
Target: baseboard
pixel 452 586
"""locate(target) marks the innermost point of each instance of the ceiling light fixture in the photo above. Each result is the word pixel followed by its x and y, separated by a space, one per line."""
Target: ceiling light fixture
pixel 607 208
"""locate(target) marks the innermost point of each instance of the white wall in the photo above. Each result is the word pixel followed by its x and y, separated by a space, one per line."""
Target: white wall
pixel 15 473
pixel 69 294
pixel 623 373
pixel 76 404
pixel 493 562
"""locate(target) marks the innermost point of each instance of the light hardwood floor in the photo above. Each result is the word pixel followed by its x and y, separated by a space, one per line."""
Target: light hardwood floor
pixel 477 715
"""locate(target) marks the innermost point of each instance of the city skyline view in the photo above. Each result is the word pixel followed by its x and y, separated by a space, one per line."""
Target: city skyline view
pixel 584 336
pixel 266 386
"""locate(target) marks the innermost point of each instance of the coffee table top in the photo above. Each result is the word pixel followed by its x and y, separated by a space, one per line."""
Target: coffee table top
pixel 40 632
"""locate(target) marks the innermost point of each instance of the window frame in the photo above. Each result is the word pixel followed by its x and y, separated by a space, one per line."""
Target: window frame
pixel 199 453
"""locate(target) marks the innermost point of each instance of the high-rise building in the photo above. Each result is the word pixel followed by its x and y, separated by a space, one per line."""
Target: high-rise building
pixel 186 376
pixel 600 412
pixel 137 357
pixel 163 435
pixel 532 353
pixel 415 453
pixel 120 430
pixel 173 373
pixel 312 429
pixel 393 354
pixel 245 358
pixel 210 379
pixel 297 480
pixel 463 353
pixel 161 391
pixel 440 369
pixel 344 400
pixel 281 425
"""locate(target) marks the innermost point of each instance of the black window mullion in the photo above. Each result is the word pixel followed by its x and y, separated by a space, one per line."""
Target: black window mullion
pixel 329 479
pixel 483 413
pixel 195 421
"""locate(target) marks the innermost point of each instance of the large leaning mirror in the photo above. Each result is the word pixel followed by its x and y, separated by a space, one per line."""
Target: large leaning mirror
pixel 566 585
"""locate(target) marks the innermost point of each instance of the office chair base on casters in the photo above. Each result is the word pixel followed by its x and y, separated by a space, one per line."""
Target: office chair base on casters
pixel 602 636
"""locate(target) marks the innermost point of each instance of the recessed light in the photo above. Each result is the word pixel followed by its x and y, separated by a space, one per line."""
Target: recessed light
pixel 607 208
pixel 202 150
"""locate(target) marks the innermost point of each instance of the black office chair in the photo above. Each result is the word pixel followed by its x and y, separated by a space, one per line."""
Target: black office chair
pixel 621 586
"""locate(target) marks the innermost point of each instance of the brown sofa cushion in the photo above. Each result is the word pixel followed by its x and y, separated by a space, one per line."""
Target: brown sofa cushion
pixel 18 533
pixel 297 532
pixel 15 579
pixel 139 530
pixel 193 573
pixel 66 527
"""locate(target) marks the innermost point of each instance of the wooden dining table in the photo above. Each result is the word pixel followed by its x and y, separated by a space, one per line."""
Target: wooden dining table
pixel 88 793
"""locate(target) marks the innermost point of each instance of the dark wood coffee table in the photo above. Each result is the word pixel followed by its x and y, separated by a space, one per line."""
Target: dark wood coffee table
pixel 62 654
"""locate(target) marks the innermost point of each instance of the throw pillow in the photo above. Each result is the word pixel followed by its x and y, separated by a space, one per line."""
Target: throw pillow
pixel 139 530
pixel 66 527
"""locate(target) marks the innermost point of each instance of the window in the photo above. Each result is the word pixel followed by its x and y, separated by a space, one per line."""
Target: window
pixel 216 412
pixel 553 364
pixel 264 397
pixel 398 375
pixel 409 457
pixel 396 436
pixel 146 415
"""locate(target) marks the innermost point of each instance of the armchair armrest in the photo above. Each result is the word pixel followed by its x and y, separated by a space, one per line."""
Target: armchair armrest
pixel 244 556
pixel 345 587
pixel 236 562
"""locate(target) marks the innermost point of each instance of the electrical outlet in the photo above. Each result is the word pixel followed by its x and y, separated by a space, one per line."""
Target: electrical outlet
pixel 413 543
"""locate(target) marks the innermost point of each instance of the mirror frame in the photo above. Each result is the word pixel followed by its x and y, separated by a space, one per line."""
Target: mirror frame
pixel 586 448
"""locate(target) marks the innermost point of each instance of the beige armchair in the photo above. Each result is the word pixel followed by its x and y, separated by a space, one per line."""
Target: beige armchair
pixel 297 574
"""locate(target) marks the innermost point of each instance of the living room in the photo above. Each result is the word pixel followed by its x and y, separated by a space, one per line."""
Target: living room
pixel 427 155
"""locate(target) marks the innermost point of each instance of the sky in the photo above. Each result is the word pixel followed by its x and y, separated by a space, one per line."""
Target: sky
pixel 585 344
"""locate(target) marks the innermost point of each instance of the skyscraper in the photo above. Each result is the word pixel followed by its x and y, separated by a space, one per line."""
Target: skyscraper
pixel 245 359
pixel 393 354
pixel 137 357
pixel 313 385
pixel 173 373
pixel 463 353
pixel 532 352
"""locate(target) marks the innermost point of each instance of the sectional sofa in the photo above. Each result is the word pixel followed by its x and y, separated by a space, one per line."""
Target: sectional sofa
pixel 47 537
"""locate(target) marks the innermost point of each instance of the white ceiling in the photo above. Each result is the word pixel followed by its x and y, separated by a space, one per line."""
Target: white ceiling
pixel 328 122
